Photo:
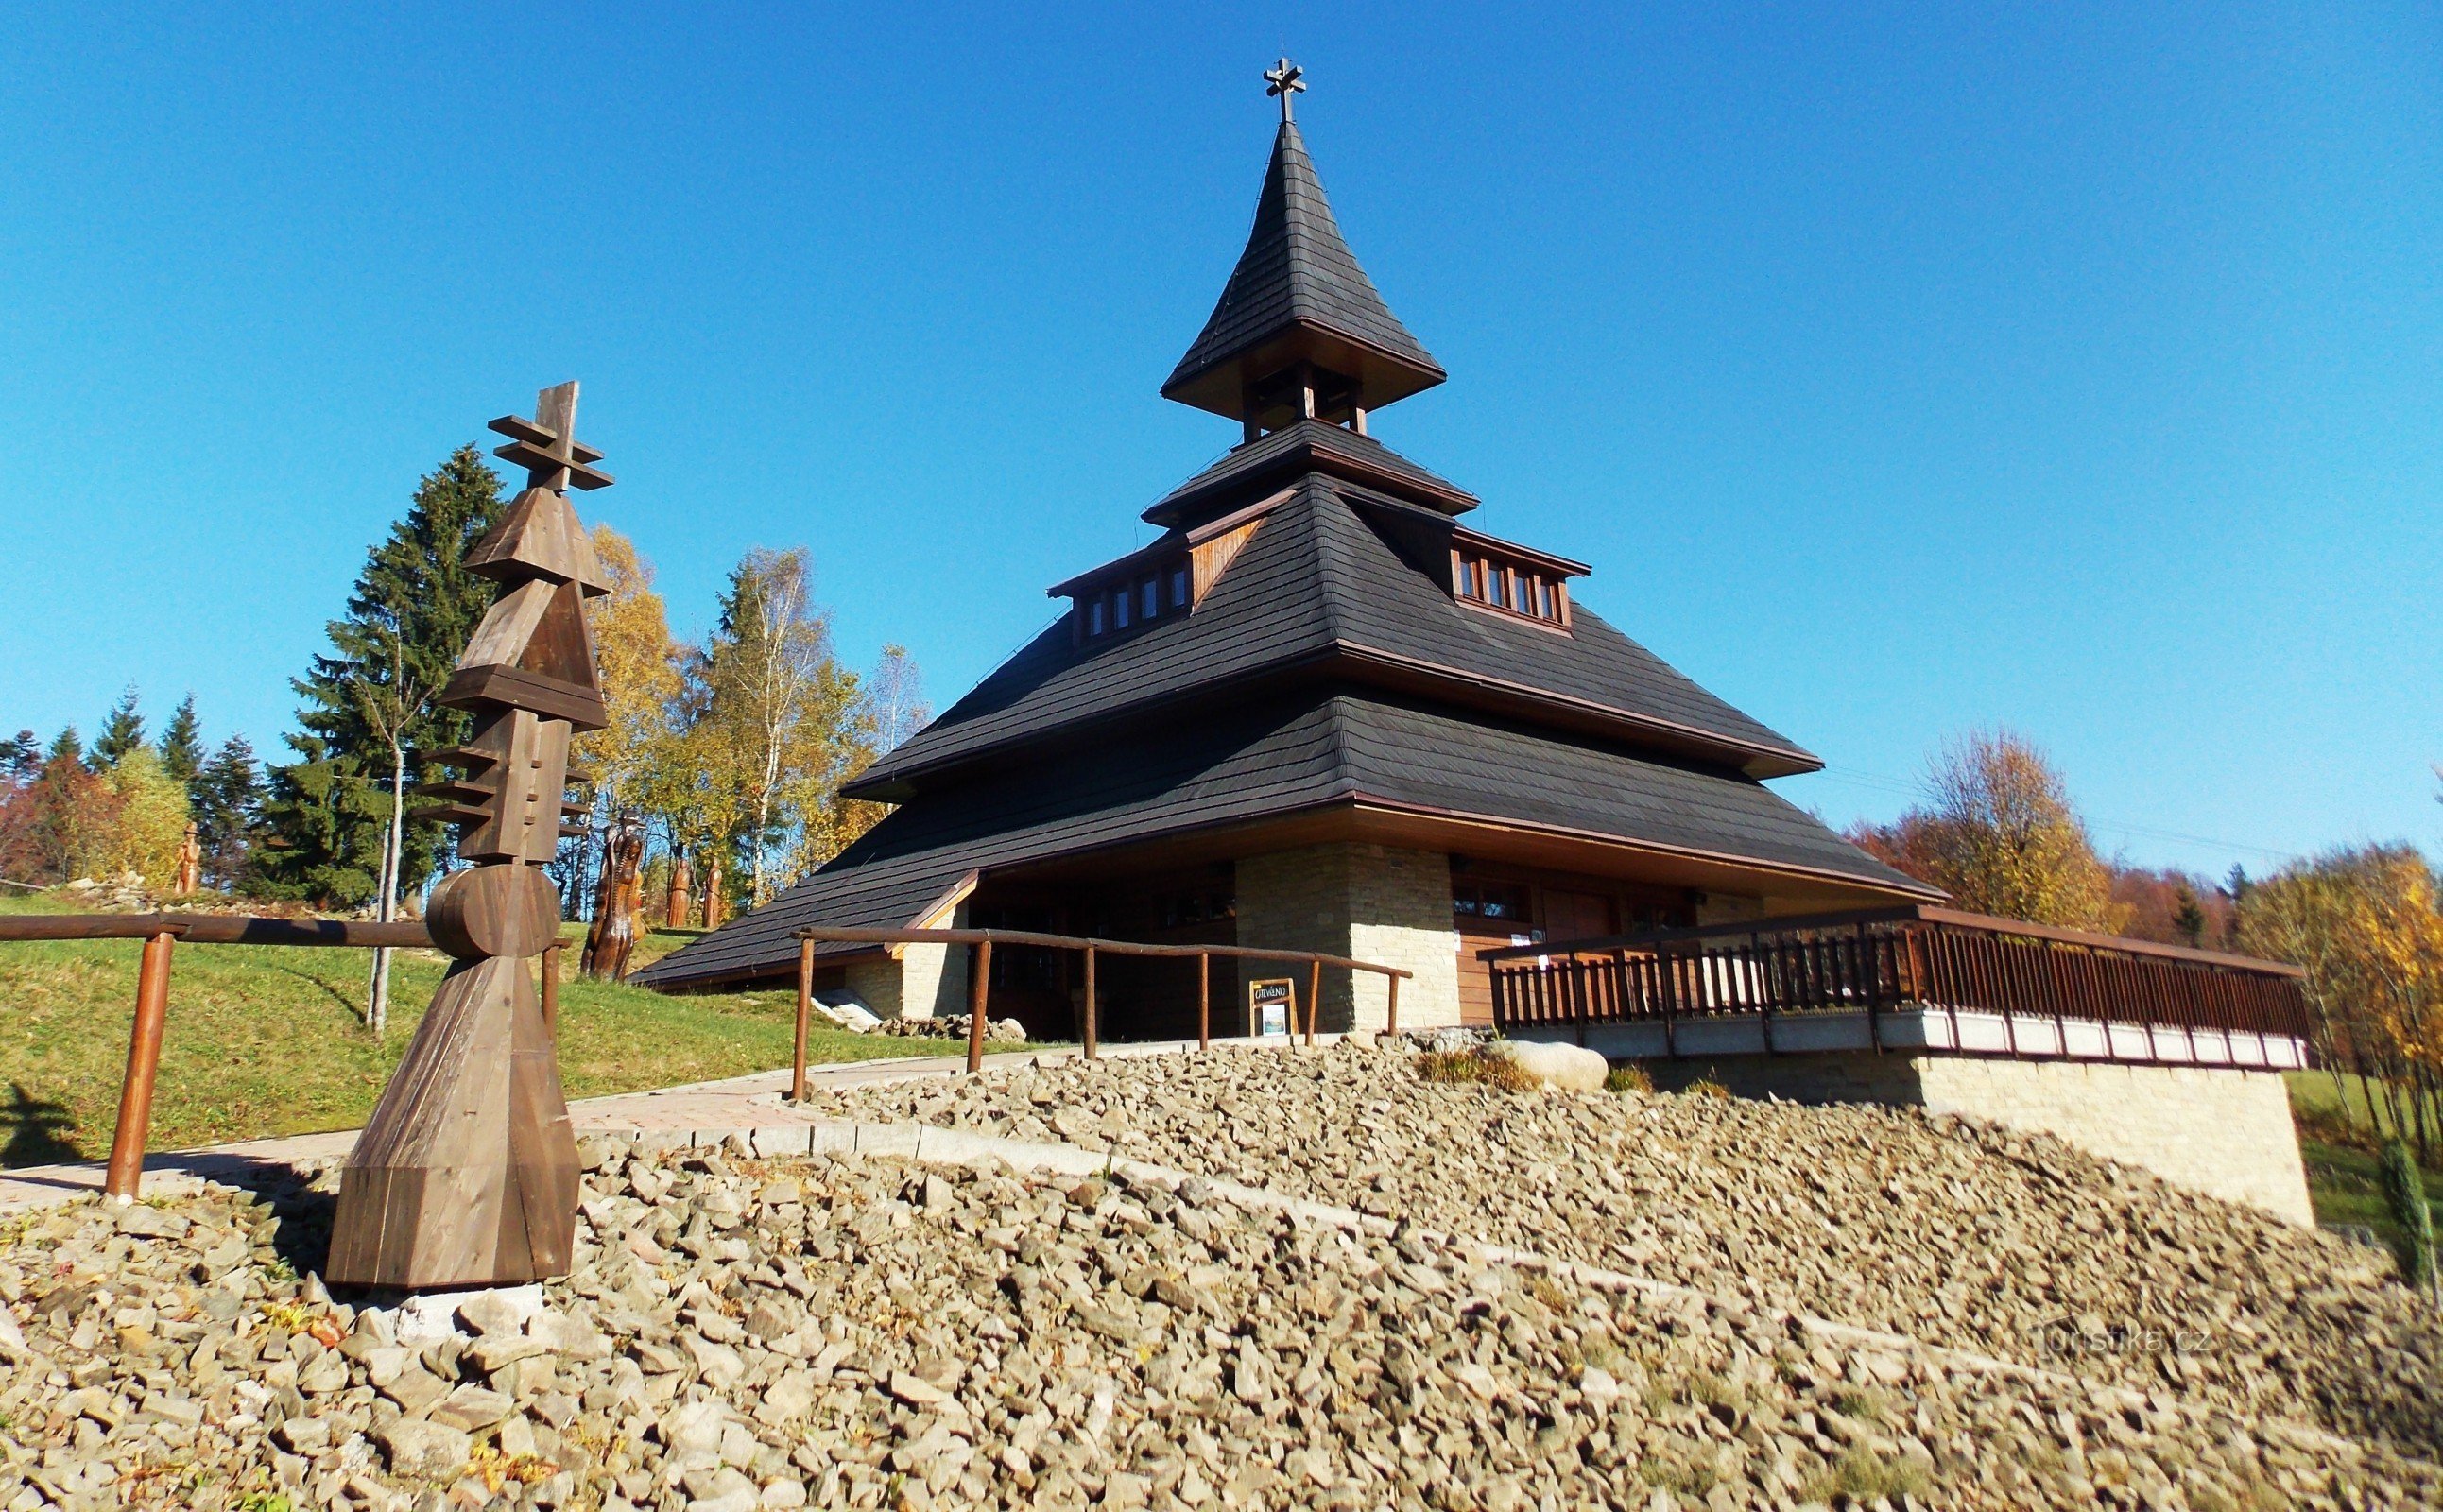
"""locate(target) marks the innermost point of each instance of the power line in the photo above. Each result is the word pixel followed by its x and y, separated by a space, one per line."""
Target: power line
pixel 1880 782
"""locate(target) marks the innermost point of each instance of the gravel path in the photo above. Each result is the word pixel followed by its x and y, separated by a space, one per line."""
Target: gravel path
pixel 1954 1233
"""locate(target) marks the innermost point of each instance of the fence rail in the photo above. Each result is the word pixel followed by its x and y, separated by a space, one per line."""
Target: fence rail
pixel 160 933
pixel 980 972
pixel 1879 961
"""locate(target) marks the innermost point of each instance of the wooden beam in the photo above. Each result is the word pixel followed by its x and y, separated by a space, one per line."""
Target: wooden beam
pixel 126 1171
pixel 977 991
pixel 805 1015
pixel 213 928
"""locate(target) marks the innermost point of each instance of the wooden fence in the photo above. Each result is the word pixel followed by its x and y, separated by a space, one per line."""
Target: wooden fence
pixel 1873 962
pixel 160 933
pixel 979 973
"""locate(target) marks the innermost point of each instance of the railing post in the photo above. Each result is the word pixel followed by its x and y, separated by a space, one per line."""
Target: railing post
pixel 1089 1002
pixel 981 970
pixel 1662 976
pixel 1391 1020
pixel 1313 999
pixel 1874 987
pixel 1578 990
pixel 805 1016
pixel 1205 999
pixel 551 990
pixel 126 1170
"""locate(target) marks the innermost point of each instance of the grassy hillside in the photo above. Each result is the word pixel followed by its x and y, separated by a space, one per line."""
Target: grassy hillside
pixel 268 1040
pixel 2340 1146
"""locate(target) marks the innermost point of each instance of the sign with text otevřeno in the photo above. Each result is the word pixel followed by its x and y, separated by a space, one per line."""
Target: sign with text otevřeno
pixel 1268 1005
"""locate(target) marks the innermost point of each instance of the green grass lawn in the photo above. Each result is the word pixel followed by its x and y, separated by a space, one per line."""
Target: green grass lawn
pixel 269 1039
pixel 2340 1146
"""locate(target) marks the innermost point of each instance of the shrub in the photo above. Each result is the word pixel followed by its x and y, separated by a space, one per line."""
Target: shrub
pixel 1483 1066
pixel 2404 1193
pixel 1708 1087
pixel 1629 1079
pixel 1861 1477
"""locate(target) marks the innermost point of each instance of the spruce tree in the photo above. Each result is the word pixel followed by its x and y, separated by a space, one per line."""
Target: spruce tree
pixel 225 796
pixel 182 743
pixel 22 755
pixel 121 733
pixel 325 812
pixel 66 747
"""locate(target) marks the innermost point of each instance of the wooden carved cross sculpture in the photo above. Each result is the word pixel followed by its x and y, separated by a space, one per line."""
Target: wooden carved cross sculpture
pixel 466 1175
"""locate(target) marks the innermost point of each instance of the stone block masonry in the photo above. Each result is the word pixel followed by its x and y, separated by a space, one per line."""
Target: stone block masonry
pixel 2225 1132
pixel 1368 902
pixel 926 982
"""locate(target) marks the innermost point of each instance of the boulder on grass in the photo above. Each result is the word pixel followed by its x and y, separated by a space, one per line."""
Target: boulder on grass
pixel 1565 1066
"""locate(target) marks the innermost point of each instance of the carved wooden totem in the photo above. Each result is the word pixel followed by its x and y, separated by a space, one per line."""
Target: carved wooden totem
pixel 466 1175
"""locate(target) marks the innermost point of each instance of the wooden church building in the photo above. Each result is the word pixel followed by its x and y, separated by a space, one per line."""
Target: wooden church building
pixel 1326 709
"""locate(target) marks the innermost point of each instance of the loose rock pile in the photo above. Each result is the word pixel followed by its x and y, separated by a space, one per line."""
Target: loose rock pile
pixel 2020 1248
pixel 740 1336
pixel 953 1026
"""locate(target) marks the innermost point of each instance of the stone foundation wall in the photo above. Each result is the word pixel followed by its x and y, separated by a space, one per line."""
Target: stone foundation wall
pixel 2227 1134
pixel 1370 902
pixel 926 982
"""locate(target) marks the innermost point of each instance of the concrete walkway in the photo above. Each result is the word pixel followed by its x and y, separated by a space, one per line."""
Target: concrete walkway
pixel 756 1102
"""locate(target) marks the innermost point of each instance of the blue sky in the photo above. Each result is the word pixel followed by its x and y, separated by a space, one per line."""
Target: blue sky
pixel 1900 370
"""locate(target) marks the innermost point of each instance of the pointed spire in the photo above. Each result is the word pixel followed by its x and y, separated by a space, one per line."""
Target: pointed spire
pixel 1297 296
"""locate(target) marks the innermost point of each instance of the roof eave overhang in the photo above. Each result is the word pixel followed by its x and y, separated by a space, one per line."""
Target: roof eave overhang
pixel 1382 669
pixel 1219 384
pixel 1487 837
pixel 1310 456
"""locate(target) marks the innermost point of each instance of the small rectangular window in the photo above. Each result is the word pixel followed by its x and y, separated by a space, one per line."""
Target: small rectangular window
pixel 1499 593
pixel 1179 587
pixel 1120 602
pixel 1149 595
pixel 1544 598
pixel 1094 616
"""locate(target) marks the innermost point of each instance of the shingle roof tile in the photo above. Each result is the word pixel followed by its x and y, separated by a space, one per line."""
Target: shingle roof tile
pixel 1260 759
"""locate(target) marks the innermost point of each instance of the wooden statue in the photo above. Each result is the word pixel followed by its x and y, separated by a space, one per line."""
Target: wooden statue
pixel 617 901
pixel 190 861
pixel 466 1175
pixel 674 911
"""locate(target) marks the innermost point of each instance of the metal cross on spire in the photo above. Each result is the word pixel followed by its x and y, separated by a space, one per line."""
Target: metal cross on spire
pixel 1283 79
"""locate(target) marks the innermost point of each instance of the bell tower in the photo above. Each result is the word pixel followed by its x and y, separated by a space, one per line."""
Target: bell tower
pixel 1300 333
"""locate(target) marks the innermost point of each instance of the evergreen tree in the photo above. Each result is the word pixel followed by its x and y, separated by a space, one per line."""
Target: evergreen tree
pixel 226 795
pixel 121 733
pixel 182 743
pixel 22 755
pixel 67 746
pixel 2189 914
pixel 326 811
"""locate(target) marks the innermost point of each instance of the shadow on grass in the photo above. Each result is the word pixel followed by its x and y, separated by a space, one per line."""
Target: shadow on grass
pixel 351 1006
pixel 35 1127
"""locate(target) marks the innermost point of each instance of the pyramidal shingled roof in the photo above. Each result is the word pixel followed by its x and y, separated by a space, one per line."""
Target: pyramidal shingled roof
pixel 1299 272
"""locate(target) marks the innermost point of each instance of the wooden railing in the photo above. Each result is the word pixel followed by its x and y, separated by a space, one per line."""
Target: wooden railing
pixel 1876 961
pixel 160 933
pixel 980 972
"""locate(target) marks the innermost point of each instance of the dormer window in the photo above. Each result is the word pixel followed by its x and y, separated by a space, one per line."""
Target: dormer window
pixel 1119 598
pixel 1490 574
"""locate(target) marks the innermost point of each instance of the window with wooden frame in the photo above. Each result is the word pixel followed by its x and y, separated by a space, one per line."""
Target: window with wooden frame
pixel 1135 601
pixel 1490 574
